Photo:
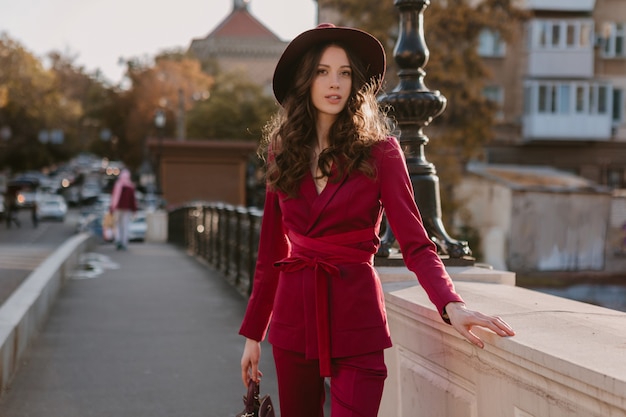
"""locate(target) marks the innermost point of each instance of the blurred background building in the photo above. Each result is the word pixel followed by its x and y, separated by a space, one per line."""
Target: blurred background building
pixel 241 42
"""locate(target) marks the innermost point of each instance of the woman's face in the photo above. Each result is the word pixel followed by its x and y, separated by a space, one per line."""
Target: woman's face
pixel 332 83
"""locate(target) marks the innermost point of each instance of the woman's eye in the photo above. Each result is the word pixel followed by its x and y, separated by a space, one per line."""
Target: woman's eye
pixel 346 73
pixel 321 71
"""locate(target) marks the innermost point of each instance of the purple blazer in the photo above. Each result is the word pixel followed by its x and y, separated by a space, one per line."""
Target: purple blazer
pixel 314 277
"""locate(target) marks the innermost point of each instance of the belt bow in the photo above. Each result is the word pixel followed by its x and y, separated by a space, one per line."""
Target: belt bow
pixel 324 269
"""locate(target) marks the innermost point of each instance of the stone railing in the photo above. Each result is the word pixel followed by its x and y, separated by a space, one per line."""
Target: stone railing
pixel 567 358
pixel 25 311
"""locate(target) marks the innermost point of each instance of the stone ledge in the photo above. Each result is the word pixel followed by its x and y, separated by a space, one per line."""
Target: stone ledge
pixel 24 312
pixel 457 273
pixel 566 359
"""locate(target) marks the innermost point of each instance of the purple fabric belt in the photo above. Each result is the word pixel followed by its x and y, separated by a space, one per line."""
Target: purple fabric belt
pixel 330 251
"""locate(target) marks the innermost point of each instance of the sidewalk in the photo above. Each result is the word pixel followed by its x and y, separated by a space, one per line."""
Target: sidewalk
pixel 156 336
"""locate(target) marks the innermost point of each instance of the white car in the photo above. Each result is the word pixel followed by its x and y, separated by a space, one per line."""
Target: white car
pixel 52 207
pixel 138 227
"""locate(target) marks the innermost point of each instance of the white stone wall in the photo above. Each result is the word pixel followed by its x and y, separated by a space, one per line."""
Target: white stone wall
pixel 528 230
pixel 488 206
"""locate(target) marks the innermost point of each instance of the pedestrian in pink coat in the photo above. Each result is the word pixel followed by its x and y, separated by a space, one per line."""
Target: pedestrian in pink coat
pixel 123 207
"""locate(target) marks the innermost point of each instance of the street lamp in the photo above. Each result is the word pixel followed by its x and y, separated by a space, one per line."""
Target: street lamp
pixel 414 106
pixel 159 119
pixel 159 122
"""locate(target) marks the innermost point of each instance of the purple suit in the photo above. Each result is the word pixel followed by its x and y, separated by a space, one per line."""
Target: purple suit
pixel 314 276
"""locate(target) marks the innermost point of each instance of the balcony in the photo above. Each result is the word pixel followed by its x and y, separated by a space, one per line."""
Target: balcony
pixel 567 110
pixel 561 48
pixel 585 127
pixel 573 63
pixel 561 5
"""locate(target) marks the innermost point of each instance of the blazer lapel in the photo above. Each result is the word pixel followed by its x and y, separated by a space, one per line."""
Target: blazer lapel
pixel 322 200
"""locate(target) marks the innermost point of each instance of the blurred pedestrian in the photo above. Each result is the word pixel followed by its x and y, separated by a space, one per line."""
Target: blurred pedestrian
pixel 10 204
pixel 34 216
pixel 332 166
pixel 123 206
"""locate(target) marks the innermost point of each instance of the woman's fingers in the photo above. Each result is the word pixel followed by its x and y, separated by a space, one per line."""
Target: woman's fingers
pixel 464 320
pixel 244 376
pixel 250 362
pixel 250 372
pixel 494 323
pixel 501 327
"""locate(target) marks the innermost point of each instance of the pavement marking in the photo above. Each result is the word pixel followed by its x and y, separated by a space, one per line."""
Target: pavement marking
pixel 92 265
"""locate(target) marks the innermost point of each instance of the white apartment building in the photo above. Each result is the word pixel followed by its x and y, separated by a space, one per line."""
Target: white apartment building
pixel 561 85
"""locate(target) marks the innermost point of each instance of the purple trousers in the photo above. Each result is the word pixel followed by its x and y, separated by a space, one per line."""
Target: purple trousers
pixel 356 385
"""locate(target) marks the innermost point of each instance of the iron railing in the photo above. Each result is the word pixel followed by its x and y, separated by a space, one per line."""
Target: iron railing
pixel 224 236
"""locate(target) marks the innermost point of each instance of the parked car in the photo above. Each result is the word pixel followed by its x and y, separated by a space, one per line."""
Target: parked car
pixel 26 189
pixel 138 227
pixel 52 207
pixel 89 192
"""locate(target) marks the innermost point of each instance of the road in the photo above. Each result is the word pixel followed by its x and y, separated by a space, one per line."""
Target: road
pixel 23 249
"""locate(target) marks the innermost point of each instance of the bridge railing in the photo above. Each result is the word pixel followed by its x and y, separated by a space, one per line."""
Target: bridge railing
pixel 224 236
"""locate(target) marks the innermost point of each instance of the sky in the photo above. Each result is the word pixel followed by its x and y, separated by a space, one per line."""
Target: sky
pixel 100 32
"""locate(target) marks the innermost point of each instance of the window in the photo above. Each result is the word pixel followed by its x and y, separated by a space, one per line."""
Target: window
pixel 564 99
pixel 602 100
pixel 547 98
pixel 618 106
pixel 543 34
pixel 561 34
pixel 592 100
pixel 580 99
pixel 586 31
pixel 614 40
pixel 553 99
pixel 490 44
pixel 556 35
pixel 543 99
pixel 571 35
pixel 569 98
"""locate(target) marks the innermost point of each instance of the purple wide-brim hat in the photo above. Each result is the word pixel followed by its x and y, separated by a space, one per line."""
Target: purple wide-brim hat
pixel 363 45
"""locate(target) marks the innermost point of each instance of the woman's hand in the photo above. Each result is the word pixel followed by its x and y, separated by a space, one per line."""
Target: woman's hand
pixel 463 320
pixel 250 362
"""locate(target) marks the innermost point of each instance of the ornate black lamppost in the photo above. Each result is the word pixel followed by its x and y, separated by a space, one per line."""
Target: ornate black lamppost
pixel 414 106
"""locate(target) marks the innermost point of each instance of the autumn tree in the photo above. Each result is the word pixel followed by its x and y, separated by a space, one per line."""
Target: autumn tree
pixel 97 100
pixel 31 106
pixel 174 84
pixel 237 109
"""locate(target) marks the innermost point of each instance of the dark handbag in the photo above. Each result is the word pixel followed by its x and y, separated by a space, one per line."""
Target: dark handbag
pixel 256 406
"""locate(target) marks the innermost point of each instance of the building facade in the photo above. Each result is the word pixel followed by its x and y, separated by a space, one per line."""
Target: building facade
pixel 241 43
pixel 561 86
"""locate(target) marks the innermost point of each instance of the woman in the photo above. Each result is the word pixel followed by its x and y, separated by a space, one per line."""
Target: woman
pixel 331 169
pixel 123 206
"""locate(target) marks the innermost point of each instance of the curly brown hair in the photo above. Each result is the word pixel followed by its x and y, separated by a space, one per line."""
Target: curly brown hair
pixel 290 135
